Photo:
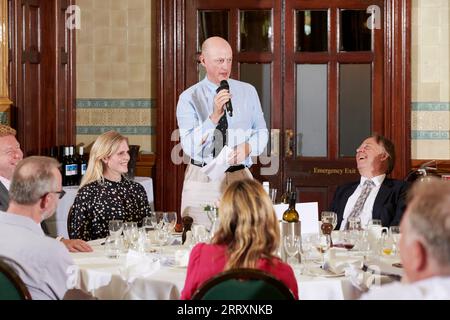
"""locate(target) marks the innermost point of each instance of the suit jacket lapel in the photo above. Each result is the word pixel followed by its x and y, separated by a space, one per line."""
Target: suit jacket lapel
pixel 380 200
pixel 4 197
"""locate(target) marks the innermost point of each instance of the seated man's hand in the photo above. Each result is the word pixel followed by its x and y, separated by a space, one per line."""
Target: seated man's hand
pixel 239 154
pixel 76 245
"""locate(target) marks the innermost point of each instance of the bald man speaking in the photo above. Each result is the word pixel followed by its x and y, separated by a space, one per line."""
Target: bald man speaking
pixel 217 112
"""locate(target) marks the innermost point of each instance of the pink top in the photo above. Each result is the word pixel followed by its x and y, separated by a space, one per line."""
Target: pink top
pixel 207 260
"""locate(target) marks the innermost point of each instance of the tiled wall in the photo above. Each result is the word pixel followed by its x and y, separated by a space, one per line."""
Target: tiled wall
pixel 430 69
pixel 114 73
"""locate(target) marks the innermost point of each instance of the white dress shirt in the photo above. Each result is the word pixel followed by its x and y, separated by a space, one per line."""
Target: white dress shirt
pixel 366 213
pixel 435 288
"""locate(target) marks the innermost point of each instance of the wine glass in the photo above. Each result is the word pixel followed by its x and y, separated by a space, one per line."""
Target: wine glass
pixel 394 232
pixel 292 246
pixel 131 233
pixel 170 220
pixel 323 245
pixel 329 217
pixel 349 239
pixel 387 244
pixel 115 228
pixel 147 224
pixel 159 219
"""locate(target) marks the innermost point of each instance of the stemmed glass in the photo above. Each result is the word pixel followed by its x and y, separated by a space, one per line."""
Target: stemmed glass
pixel 322 246
pixel 115 228
pixel 329 217
pixel 394 232
pixel 147 224
pixel 170 220
pixel 159 220
pixel 292 246
pixel 131 233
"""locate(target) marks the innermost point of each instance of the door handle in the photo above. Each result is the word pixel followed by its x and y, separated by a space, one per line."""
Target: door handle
pixel 288 136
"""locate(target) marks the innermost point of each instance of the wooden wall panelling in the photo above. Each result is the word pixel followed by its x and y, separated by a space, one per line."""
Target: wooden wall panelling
pixel 42 73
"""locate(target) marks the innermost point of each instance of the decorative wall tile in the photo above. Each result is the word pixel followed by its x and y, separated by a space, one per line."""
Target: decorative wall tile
pixel 115 103
pixel 431 149
pixel 430 76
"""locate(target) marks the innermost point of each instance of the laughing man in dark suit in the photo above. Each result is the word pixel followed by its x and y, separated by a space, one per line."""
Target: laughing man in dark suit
pixel 378 198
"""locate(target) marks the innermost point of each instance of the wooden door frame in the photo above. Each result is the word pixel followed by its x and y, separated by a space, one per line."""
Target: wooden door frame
pixel 171 62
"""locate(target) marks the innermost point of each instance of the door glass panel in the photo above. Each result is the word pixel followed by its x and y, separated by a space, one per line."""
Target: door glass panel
pixel 312 102
pixel 355 106
pixel 355 34
pixel 259 75
pixel 312 30
pixel 211 23
pixel 256 30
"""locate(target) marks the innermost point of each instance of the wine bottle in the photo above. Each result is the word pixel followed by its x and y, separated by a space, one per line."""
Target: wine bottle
pixel 73 168
pixel 291 215
pixel 82 164
pixel 287 192
pixel 65 166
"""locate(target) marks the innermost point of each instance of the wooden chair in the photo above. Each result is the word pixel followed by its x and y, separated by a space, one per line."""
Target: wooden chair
pixel 243 284
pixel 11 286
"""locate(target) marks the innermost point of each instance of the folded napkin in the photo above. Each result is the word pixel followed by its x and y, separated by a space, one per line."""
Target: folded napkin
pixel 339 264
pixel 363 280
pixel 137 264
pixel 182 258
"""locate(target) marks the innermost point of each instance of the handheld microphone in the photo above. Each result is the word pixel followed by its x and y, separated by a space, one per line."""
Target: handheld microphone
pixel 224 86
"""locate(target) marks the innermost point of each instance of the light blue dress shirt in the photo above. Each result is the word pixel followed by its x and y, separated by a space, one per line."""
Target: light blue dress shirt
pixel 247 124
pixel 45 264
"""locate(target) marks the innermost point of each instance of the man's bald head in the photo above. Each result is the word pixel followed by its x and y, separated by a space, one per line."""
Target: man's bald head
pixel 214 42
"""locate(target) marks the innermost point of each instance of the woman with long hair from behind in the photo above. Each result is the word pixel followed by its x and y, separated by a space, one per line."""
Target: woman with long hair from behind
pixel 105 192
pixel 248 237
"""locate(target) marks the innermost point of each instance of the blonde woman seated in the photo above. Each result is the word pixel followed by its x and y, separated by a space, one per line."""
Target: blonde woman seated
pixel 105 193
pixel 248 237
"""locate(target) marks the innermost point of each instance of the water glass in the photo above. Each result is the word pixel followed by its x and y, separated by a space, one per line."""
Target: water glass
pixel 162 236
pixel 115 228
pixel 354 223
pixel 273 195
pixel 113 247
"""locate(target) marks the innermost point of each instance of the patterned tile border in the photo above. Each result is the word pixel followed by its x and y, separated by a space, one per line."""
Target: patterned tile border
pixel 430 106
pixel 430 135
pixel 3 117
pixel 115 103
pixel 125 130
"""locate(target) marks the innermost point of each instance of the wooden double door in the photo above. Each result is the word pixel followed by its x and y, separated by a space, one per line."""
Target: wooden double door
pixel 328 74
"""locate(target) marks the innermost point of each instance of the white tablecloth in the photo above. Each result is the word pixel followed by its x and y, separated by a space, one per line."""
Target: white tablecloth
pixel 100 276
pixel 57 224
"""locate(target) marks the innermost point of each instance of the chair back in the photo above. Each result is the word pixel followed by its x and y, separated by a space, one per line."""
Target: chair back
pixel 243 284
pixel 11 286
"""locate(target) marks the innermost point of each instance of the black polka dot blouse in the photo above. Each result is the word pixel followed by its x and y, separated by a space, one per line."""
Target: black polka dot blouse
pixel 97 203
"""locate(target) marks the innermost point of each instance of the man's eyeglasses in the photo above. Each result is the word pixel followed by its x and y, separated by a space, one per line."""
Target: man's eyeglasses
pixel 61 193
